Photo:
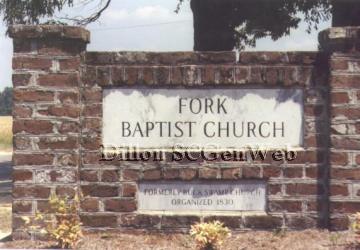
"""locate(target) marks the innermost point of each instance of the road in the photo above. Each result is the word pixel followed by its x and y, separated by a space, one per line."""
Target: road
pixel 5 178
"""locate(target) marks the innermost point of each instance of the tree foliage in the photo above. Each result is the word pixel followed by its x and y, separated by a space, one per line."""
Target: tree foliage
pixel 37 11
pixel 218 24
pixel 6 101
pixel 242 22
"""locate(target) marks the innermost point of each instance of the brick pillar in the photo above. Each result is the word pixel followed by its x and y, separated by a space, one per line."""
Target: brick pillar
pixel 343 47
pixel 46 81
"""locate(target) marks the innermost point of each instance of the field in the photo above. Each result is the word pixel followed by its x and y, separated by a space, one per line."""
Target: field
pixel 5 133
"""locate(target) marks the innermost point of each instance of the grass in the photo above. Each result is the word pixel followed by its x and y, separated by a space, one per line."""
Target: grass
pixel 6 133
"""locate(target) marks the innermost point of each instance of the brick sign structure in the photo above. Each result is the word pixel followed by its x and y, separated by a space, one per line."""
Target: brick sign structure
pixel 59 89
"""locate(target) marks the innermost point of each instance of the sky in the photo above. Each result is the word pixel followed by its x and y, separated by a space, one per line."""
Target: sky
pixel 151 25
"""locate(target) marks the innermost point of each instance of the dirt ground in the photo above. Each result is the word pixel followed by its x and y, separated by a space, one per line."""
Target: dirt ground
pixel 304 240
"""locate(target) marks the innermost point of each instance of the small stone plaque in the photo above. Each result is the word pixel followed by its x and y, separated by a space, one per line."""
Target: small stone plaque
pixel 245 195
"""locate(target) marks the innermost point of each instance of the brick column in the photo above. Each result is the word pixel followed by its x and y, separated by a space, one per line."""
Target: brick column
pixel 46 114
pixel 343 46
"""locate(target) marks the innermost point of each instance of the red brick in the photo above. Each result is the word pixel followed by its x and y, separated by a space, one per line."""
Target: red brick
pixel 110 176
pixel 152 174
pixel 32 126
pixel 33 159
pixel 208 173
pixel 350 112
pixel 308 157
pixel 340 98
pixel 22 175
pixel 69 63
pixel 67 160
pixel 94 110
pixel 130 175
pixel 345 143
pixel 293 172
pixel 317 206
pixel 61 111
pixel 103 76
pixel 339 190
pixel 92 158
pixel 89 76
pixel 188 174
pixel 27 192
pixel 339 65
pixel 263 222
pixel 129 190
pixel 65 191
pixel 92 95
pixel 344 207
pixel 118 75
pixel 304 189
pixel 315 141
pixel 208 75
pixel 100 191
pixel 44 206
pixel 162 75
pixel 31 63
pixel 271 172
pixel 242 74
pixel 90 205
pixel 251 172
pixel 120 205
pixel 285 206
pixel 92 125
pixel 274 189
pixel 339 158
pixel 59 80
pixel 231 173
pixel 99 220
pixel 345 81
pixel 178 221
pixel 357 159
pixel 91 143
pixel 340 224
pixel 22 207
pixel 68 98
pixel 171 173
pixel 22 79
pixel 88 175
pixel 69 127
pixel 345 173
pixel 314 172
pixel 139 220
pixel 313 110
pixel 58 143
pixel 22 111
pixel 227 74
pixel 21 143
pixel 301 222
pixel 32 96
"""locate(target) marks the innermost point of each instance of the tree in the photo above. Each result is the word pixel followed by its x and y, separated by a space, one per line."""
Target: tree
pixel 33 11
pixel 228 24
pixel 346 13
pixel 218 24
pixel 6 101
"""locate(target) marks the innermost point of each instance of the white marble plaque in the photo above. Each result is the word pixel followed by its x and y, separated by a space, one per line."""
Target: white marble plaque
pixel 204 119
pixel 245 195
